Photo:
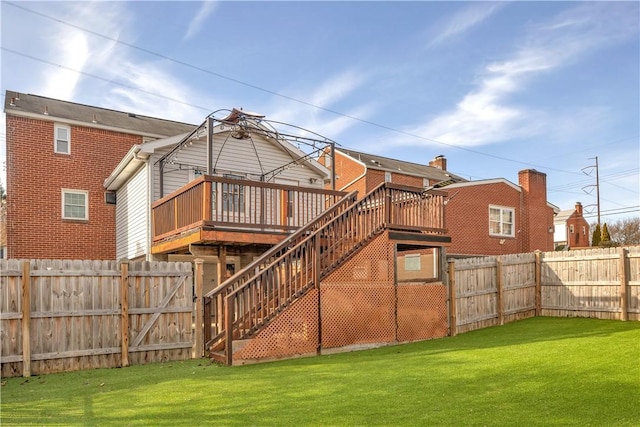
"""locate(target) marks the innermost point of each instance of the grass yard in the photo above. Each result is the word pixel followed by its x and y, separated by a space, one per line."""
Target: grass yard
pixel 540 371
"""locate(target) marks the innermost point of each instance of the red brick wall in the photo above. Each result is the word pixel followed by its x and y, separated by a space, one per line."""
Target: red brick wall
pixel 536 216
pixel 347 170
pixel 467 219
pixel 581 233
pixel 35 178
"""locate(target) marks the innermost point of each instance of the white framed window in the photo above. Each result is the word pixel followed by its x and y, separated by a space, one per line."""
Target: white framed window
pixel 425 182
pixel 61 139
pixel 571 230
pixel 75 204
pixel 501 221
pixel 387 177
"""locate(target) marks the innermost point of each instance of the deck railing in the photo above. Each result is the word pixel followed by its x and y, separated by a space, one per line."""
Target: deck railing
pixel 238 203
pixel 245 302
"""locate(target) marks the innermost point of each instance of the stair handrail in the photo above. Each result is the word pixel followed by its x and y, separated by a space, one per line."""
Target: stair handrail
pixel 272 259
pixel 347 200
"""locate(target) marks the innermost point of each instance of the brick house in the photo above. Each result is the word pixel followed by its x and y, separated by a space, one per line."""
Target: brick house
pixel 571 229
pixel 496 216
pixel 487 217
pixel 58 156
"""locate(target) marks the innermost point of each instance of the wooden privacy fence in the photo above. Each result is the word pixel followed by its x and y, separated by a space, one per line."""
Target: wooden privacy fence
pixel 598 283
pixel 68 315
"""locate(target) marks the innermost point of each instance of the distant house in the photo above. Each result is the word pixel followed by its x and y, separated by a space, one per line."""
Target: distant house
pixel 486 217
pixel 496 216
pixel 571 229
pixel 363 172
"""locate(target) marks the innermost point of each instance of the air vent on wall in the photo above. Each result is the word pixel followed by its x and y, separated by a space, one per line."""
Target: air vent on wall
pixel 110 198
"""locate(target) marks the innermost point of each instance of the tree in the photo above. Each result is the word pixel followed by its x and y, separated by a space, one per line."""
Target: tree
pixel 606 242
pixel 626 231
pixel 597 236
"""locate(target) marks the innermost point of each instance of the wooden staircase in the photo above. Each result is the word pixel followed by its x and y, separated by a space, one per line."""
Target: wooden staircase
pixel 244 304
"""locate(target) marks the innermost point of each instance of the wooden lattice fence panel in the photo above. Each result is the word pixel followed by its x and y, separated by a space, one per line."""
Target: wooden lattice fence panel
pixel 293 333
pixel 422 311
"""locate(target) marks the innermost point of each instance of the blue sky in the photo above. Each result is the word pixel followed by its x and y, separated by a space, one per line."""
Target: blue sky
pixel 495 87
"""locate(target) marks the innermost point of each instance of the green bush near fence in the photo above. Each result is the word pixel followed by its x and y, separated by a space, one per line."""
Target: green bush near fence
pixel 540 371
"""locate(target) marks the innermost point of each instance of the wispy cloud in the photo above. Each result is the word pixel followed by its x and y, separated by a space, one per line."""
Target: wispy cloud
pixel 330 94
pixel 207 8
pixel 463 21
pixel 487 115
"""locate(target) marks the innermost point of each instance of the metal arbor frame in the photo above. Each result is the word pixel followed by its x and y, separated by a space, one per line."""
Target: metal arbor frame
pixel 244 125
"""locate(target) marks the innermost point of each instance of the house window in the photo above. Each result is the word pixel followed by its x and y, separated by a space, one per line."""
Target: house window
pixel 584 230
pixel 233 195
pixel 62 139
pixel 425 182
pixel 571 229
pixel 387 177
pixel 501 221
pixel 74 204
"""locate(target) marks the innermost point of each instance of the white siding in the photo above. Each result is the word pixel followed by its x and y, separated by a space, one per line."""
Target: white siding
pixel 231 156
pixel 132 216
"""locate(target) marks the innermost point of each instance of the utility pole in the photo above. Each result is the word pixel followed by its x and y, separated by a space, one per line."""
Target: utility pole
pixel 597 185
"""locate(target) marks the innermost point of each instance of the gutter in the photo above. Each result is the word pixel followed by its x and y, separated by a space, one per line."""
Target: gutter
pixel 127 166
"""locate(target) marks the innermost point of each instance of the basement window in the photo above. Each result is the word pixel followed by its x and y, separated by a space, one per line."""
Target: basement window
pixel 75 204
pixel 417 264
pixel 62 139
pixel 501 221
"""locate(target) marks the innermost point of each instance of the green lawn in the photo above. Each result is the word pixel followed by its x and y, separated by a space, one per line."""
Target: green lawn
pixel 541 371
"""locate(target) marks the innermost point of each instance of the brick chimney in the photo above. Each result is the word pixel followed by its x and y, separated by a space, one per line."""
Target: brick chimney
pixel 579 208
pixel 536 217
pixel 439 162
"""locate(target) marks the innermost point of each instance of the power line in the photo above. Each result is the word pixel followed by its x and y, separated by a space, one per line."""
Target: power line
pixel 213 73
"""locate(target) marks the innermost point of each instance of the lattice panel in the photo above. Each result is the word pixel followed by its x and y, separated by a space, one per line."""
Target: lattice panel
pixel 422 312
pixel 293 332
pixel 372 264
pixel 357 314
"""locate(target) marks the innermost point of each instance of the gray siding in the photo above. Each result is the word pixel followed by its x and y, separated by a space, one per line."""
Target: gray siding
pixel 132 217
pixel 231 156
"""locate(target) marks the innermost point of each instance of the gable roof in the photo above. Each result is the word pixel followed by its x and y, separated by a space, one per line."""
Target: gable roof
pixel 563 216
pixel 43 108
pixel 486 182
pixel 375 162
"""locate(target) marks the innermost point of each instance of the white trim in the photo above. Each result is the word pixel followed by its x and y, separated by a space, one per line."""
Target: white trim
pixel 56 127
pixel 86 203
pixel 513 223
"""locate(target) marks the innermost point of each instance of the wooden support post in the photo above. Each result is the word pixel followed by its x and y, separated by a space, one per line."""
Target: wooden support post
pixel 624 285
pixel 453 318
pixel 222 264
pixel 124 311
pixel 500 299
pixel 538 283
pixel 228 324
pixel 198 343
pixel 26 318
pixel 207 207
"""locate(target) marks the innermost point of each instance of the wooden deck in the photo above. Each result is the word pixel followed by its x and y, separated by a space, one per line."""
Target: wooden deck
pixel 227 211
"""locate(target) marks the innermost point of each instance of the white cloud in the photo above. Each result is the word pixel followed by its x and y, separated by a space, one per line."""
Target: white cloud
pixel 463 21
pixel 486 115
pixel 207 8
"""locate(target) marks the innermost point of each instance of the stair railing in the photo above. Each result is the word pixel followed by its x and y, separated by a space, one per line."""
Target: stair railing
pixel 285 276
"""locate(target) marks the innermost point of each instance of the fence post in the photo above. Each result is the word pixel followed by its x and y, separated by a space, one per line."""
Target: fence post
pixel 624 285
pixel 538 283
pixel 499 299
pixel 198 344
pixel 26 318
pixel 124 311
pixel 452 298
